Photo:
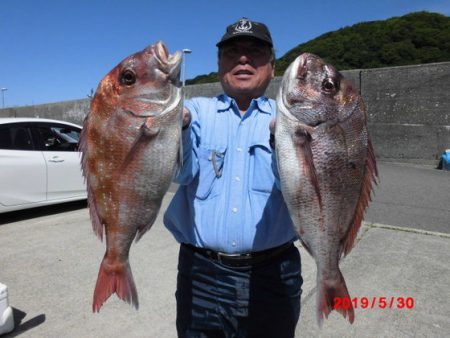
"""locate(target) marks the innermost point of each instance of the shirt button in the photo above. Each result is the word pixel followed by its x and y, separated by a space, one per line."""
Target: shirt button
pixel 235 210
pixel 233 243
pixel 237 178
pixel 239 149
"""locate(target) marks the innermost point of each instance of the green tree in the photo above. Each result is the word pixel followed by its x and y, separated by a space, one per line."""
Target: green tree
pixel 414 38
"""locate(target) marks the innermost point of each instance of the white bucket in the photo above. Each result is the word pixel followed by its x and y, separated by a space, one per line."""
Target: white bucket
pixel 6 313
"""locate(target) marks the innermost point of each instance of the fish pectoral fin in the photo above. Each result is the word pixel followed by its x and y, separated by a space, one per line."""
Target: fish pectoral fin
pixel 369 178
pixel 302 140
pixel 147 132
pixel 148 129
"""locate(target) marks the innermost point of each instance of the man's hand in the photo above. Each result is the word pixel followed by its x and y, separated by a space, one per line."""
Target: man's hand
pixel 272 134
pixel 272 127
pixel 186 117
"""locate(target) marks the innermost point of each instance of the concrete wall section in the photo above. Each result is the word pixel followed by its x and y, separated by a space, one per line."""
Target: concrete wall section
pixel 443 138
pixel 206 90
pixel 416 143
pixel 70 111
pixel 411 94
pixel 410 143
pixel 408 109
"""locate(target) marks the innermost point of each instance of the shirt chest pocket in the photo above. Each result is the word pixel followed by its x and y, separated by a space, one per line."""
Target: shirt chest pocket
pixel 261 174
pixel 211 160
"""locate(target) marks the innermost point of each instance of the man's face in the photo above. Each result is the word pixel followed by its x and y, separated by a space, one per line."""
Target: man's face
pixel 245 67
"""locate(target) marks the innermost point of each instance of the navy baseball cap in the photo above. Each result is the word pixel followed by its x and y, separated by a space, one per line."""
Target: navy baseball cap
pixel 246 27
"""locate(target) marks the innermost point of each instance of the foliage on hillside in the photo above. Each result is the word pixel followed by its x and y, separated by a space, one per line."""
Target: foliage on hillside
pixel 414 38
pixel 211 77
pixel 411 39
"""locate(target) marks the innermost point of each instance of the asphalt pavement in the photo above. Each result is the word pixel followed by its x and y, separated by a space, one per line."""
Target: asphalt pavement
pixel 397 274
pixel 411 196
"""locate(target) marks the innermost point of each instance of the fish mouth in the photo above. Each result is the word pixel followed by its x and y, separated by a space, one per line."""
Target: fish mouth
pixel 289 82
pixel 305 57
pixel 164 90
pixel 296 107
pixel 170 63
pixel 297 74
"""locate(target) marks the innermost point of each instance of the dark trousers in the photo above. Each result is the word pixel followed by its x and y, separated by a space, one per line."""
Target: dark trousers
pixel 214 300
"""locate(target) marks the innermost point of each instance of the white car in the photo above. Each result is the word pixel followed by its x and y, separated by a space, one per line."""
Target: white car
pixel 39 163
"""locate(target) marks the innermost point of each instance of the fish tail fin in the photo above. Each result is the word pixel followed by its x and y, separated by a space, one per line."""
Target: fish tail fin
pixel 333 295
pixel 114 278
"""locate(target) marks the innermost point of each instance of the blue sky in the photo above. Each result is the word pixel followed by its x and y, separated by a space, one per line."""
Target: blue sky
pixel 57 50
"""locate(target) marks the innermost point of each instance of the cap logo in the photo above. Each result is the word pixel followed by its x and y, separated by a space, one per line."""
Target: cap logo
pixel 243 26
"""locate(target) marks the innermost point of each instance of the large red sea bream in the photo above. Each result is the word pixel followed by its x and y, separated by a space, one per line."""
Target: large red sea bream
pixel 327 168
pixel 131 146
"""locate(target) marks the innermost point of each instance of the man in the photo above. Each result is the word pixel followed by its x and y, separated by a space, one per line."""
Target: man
pixel 239 274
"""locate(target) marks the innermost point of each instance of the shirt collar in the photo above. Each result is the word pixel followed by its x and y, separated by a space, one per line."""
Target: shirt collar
pixel 262 103
pixel 224 102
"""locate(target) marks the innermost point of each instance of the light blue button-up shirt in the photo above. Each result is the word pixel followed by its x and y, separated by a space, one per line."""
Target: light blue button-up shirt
pixel 228 200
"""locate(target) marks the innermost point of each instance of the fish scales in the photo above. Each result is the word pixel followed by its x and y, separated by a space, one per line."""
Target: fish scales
pixel 327 168
pixel 131 148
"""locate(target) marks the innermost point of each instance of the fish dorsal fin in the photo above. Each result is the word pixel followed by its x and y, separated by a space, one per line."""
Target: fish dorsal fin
pixel 370 176
pixel 83 147
pixel 97 225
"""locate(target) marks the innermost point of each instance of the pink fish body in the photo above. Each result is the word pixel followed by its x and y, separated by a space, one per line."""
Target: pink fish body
pixel 327 168
pixel 131 146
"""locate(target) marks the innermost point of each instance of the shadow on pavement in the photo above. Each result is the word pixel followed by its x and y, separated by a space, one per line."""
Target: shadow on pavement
pixel 20 327
pixel 20 215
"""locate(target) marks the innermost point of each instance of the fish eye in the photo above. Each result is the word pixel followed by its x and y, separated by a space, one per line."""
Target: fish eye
pixel 328 85
pixel 127 77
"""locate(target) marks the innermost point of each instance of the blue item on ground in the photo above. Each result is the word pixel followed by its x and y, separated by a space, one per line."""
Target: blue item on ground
pixel 444 162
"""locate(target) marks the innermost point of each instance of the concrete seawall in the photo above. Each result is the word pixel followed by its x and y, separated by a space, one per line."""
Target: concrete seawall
pixel 408 109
